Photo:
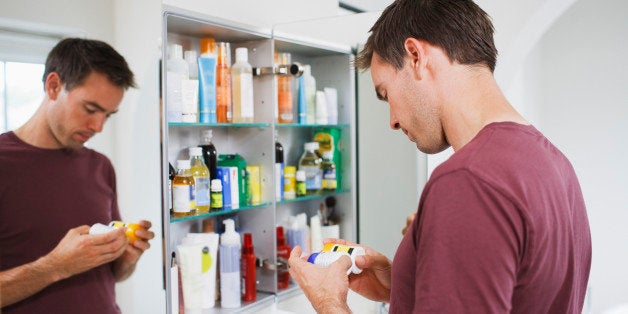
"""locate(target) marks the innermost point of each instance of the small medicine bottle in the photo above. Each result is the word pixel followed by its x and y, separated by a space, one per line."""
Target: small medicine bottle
pixel 328 167
pixel 216 194
pixel 99 228
pixel 300 178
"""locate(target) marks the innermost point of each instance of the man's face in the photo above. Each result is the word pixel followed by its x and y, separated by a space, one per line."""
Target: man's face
pixel 75 116
pixel 413 108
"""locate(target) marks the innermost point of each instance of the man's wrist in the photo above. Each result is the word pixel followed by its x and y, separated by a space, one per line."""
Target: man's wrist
pixel 45 268
pixel 333 307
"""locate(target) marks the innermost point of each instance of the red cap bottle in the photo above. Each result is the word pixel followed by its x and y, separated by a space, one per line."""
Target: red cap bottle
pixel 283 252
pixel 247 269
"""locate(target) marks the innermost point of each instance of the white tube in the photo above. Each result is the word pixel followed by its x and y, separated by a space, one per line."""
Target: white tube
pixel 189 256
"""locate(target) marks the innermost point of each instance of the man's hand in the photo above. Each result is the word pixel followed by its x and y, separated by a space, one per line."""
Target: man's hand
pixel 79 251
pixel 125 265
pixel 374 281
pixel 326 288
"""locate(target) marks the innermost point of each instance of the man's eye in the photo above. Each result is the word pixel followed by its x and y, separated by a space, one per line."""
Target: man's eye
pixel 89 110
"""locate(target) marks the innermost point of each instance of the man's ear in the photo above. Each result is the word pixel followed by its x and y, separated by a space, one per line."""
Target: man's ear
pixel 53 85
pixel 416 56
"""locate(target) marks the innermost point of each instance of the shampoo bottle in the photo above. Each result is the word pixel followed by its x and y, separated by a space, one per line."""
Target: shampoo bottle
pixel 242 86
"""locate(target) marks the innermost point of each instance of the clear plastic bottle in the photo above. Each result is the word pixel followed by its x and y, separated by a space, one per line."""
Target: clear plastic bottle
pixel 242 86
pixel 183 191
pixel 310 163
pixel 329 171
pixel 309 84
pixel 284 92
pixel 224 110
pixel 200 172
pixel 177 71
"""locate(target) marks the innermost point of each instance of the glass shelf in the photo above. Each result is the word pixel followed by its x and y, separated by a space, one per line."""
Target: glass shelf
pixel 313 197
pixel 230 125
pixel 296 125
pixel 217 213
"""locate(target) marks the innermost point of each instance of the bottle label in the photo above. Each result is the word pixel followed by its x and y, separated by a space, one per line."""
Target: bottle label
pixel 279 184
pixel 313 177
pixel 216 200
pixel 246 90
pixel 329 179
pixel 182 198
pixel 202 191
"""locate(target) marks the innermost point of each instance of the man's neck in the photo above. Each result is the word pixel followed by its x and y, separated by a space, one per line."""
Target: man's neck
pixel 476 102
pixel 36 131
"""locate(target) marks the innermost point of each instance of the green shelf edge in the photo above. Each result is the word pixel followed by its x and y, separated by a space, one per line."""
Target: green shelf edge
pixel 231 125
pixel 313 197
pixel 218 213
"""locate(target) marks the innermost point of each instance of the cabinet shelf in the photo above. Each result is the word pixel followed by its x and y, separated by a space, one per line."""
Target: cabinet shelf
pixel 296 125
pixel 218 213
pixel 313 197
pixel 228 125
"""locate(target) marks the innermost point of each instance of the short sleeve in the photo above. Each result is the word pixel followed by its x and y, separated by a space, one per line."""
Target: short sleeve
pixel 467 239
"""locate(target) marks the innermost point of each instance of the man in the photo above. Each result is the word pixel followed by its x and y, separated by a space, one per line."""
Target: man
pixel 501 226
pixel 52 189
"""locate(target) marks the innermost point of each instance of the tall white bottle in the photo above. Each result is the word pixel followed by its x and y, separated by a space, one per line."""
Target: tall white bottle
pixel 309 83
pixel 177 71
pixel 230 251
pixel 242 87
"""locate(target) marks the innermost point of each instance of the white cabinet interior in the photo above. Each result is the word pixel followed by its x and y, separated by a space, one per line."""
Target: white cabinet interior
pixel 332 67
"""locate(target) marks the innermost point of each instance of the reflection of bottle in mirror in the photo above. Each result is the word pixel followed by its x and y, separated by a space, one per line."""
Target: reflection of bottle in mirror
pixel 242 86
pixel 279 166
pixel 284 92
pixel 171 174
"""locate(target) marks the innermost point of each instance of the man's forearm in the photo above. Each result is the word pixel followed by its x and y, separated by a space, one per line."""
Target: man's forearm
pixel 23 281
pixel 122 268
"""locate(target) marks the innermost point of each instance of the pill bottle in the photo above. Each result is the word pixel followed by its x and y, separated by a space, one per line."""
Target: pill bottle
pixel 325 259
pixel 99 228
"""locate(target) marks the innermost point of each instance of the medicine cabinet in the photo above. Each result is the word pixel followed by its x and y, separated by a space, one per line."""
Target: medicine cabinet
pixel 331 65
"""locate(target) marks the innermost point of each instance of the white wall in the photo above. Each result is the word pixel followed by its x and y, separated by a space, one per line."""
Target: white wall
pixel 577 78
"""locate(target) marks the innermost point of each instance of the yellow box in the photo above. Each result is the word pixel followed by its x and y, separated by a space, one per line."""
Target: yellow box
pixel 255 186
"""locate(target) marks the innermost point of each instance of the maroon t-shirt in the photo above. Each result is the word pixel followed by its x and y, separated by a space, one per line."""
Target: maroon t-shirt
pixel 501 228
pixel 43 194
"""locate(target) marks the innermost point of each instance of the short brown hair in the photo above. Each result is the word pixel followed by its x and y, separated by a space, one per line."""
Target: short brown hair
pixel 73 59
pixel 460 27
